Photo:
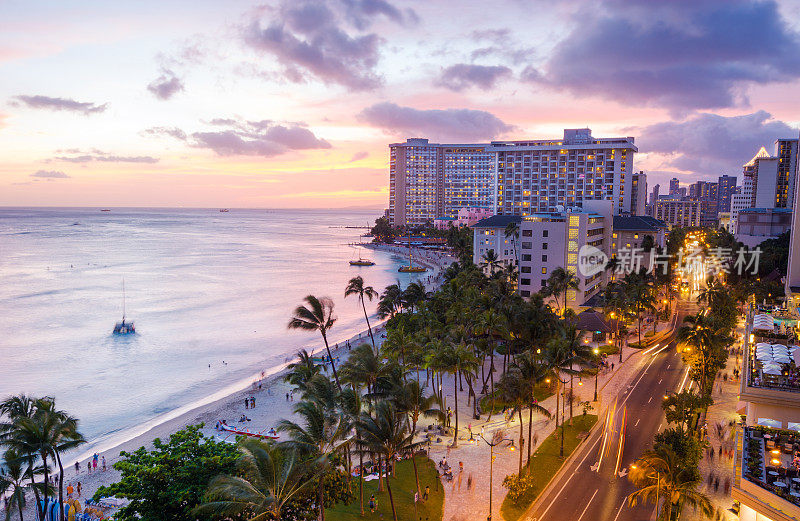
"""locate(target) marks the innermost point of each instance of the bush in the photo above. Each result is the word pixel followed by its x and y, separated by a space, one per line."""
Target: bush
pixel 518 487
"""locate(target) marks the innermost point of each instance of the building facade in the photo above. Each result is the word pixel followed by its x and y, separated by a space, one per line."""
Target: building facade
pixel 490 234
pixel 679 212
pixel 431 180
pixel 755 225
pixel 726 187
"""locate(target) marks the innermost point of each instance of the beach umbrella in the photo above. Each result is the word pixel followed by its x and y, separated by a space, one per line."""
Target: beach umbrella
pixel 772 370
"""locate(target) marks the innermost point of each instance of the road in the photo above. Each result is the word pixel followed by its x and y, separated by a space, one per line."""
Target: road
pixel 591 492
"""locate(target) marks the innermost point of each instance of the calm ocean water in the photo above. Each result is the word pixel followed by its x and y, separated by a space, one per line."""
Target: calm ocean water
pixel 202 287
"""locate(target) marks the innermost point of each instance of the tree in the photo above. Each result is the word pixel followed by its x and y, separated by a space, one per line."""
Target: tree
pixel 391 301
pixel 318 316
pixel 639 293
pixel 383 230
pixel 657 476
pixel 517 390
pixel 268 476
pixel 705 353
pixel 414 295
pixel 14 482
pixel 680 408
pixel 170 480
pixel 386 433
pixel 512 231
pixel 534 371
pixel 302 371
pixel 559 283
pixel 491 262
pixel 356 287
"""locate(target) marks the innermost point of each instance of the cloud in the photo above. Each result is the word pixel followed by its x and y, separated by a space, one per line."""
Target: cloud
pixel 358 156
pixel 174 132
pixel 710 144
pixel 257 138
pixel 680 55
pixel 106 158
pixel 457 124
pixel 50 174
pixel 463 75
pixel 46 102
pixel 500 43
pixel 325 40
pixel 166 85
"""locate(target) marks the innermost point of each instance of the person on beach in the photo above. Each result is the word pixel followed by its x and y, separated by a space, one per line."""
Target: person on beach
pixel 252 402
pixel 94 464
pixel 70 490
pixel 372 504
pixel 104 463
pixel 78 489
pixel 77 468
pixel 89 467
pixel 427 492
pixel 287 397
pixel 246 403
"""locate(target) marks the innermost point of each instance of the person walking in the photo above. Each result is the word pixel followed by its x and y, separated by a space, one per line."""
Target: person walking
pixel 372 504
pixel 77 468
pixel 79 489
pixel 104 463
pixel 246 403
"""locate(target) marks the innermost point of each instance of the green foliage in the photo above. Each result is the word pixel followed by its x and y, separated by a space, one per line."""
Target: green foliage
pixel 170 480
pixel 383 231
pixel 681 408
pixel 519 487
pixel 686 447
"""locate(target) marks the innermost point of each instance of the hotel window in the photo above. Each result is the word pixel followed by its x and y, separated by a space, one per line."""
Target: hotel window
pixel 544 258
pixel 544 271
pixel 526 269
pixel 544 245
pixel 526 257
pixel 525 282
pixel 545 233
pixel 527 233
pixel 527 245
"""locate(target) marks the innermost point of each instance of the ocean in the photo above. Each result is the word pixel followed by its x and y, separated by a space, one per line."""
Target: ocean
pixel 203 288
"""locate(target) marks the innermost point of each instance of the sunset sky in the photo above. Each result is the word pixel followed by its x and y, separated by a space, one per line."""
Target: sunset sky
pixel 292 103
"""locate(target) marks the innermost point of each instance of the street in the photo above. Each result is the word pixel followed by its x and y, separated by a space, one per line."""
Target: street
pixel 592 488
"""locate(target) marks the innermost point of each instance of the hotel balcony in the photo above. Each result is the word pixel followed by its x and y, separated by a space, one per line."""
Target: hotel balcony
pixel 766 469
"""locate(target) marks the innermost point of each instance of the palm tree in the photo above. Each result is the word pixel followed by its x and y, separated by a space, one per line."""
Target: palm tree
pixel 269 475
pixel 559 283
pixel 699 334
pixel 713 295
pixel 640 295
pixel 414 295
pixel 410 399
pixel 321 432
pixel 363 367
pixel 512 230
pixel 490 261
pixel 302 371
pixel 657 474
pixel 456 358
pixel 387 433
pixel 391 301
pixel 534 371
pixel 356 287
pixel 517 390
pixel 318 316
pixel 14 482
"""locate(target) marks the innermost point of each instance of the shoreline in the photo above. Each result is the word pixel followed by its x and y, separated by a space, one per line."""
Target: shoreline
pixel 225 403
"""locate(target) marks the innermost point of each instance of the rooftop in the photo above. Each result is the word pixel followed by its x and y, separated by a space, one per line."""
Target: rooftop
pixel 638 223
pixel 498 221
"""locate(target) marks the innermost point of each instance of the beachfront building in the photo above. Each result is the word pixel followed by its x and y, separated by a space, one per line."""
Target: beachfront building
pixel 765 482
pixel 755 225
pixel 679 212
pixel 471 215
pixel 444 223
pixel 550 240
pixel 431 180
pixel 491 234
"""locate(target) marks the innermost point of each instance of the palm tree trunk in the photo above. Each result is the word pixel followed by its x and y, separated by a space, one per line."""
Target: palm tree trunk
pixel 455 399
pixel 530 434
pixel 46 483
pixel 321 501
pixel 360 474
pixel 330 356
pixel 416 474
pixel 521 440
pixel 60 487
pixel 19 504
pixel 380 475
pixel 561 451
pixel 571 397
pixel 35 490
pixel 391 499
pixel 366 317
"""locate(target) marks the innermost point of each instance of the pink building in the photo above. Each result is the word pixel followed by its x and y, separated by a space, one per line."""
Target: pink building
pixel 443 223
pixel 471 215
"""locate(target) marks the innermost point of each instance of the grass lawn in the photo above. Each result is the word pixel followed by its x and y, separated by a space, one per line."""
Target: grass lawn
pixel 403 489
pixel 545 462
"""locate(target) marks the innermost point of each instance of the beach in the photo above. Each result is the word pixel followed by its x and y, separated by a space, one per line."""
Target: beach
pixel 271 404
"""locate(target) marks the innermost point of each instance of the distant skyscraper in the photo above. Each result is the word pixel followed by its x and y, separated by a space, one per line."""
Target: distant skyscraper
pixel 726 187
pixel 674 186
pixel 654 194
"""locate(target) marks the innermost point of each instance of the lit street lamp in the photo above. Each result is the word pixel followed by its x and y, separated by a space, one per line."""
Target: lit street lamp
pixel 497 439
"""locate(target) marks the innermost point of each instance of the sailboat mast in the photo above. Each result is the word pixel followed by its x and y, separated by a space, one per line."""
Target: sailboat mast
pixel 123 300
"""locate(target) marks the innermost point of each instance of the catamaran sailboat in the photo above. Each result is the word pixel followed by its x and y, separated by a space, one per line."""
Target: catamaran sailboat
pixel 411 268
pixel 361 261
pixel 124 328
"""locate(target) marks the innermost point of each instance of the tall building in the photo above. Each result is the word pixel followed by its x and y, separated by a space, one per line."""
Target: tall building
pixel 430 180
pixel 638 193
pixel 793 268
pixel 773 177
pixel 726 186
pixel 674 186
pixel 654 194
pixel 490 234
pixel 551 240
pixel 786 150
pixel 679 212
pixel 707 192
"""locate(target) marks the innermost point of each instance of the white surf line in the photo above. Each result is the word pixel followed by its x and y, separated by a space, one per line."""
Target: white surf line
pixel 620 508
pixel 587 504
pixel 569 479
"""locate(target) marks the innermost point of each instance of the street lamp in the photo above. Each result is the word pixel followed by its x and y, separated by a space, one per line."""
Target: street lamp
pixel 596 352
pixel 497 439
pixel 658 484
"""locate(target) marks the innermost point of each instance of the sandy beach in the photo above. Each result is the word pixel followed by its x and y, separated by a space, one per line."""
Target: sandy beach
pixel 270 393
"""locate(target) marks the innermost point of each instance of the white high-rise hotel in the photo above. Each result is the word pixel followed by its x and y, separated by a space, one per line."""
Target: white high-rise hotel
pixel 430 180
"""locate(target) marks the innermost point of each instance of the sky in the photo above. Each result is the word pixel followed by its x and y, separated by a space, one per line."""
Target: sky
pixel 292 103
